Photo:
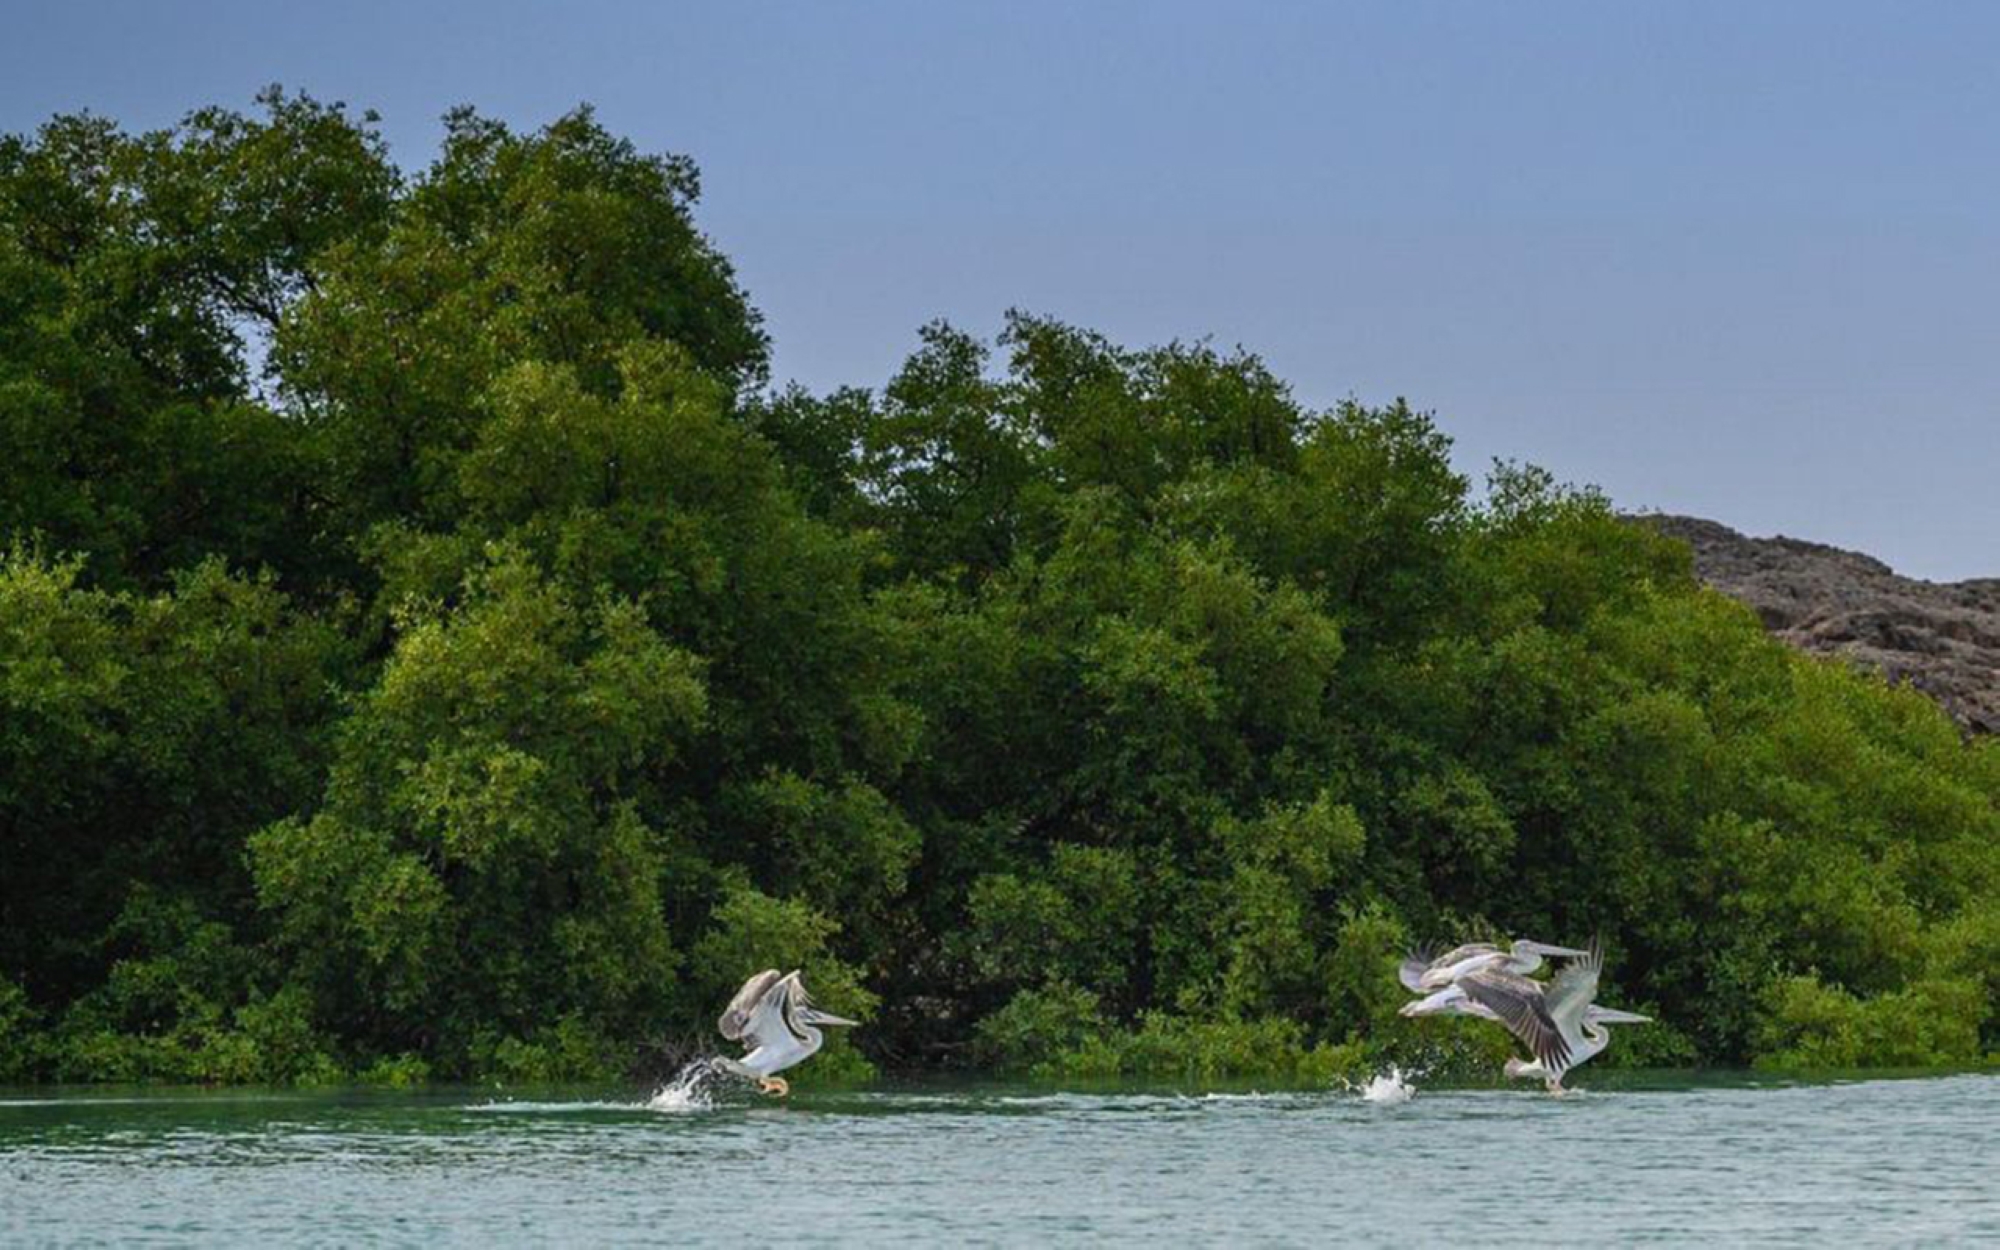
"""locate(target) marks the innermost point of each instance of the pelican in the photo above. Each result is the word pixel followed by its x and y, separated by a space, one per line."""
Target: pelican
pixel 1425 975
pixel 1561 1023
pixel 774 1016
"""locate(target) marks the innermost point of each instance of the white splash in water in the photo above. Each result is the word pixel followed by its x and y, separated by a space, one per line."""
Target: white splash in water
pixel 1389 1088
pixel 689 1090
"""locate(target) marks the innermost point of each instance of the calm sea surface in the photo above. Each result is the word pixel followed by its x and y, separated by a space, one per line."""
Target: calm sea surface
pixel 1722 1160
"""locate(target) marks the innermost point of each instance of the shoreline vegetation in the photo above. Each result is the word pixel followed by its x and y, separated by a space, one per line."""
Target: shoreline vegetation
pixel 432 649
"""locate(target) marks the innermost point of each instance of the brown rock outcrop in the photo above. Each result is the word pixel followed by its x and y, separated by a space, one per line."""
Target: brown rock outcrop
pixel 1941 637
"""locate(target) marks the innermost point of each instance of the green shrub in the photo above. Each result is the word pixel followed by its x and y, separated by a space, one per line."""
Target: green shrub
pixel 21 1040
pixel 1037 1027
pixel 567 1051
pixel 1165 1047
pixel 404 1071
pixel 1934 1023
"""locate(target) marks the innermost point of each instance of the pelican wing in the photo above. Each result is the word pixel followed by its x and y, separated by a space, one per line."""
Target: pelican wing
pixel 774 1022
pixel 1574 988
pixel 735 1022
pixel 1414 965
pixel 1521 1008
pixel 1455 963
pixel 1459 954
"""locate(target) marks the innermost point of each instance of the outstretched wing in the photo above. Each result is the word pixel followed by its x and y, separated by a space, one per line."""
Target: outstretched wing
pixel 1519 1004
pixel 1459 954
pixel 1574 987
pixel 1414 965
pixel 772 1023
pixel 735 1022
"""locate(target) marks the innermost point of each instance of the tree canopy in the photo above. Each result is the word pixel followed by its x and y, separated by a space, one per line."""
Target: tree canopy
pixel 429 646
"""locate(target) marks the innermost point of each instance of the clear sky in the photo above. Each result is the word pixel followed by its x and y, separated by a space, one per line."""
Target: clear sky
pixel 1740 260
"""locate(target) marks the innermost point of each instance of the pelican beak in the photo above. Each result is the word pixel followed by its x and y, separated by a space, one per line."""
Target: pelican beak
pixel 814 1015
pixel 1565 952
pixel 1609 1015
pixel 1410 1008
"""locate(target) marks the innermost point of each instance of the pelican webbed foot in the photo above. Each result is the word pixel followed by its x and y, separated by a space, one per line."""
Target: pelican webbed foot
pixel 776 1086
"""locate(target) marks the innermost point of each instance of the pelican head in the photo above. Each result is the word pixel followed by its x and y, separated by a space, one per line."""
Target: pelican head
pixel 1528 946
pixel 1527 955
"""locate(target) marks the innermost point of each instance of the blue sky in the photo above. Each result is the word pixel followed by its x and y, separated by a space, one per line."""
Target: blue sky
pixel 1735 260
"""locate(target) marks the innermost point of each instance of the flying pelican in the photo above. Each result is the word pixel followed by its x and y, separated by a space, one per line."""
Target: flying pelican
pixel 1423 973
pixel 774 1016
pixel 1566 1008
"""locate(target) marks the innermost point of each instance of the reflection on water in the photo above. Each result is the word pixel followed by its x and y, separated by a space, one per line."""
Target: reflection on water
pixel 1733 1159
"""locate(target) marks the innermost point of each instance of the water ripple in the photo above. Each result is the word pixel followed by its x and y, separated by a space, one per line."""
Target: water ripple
pixel 1883 1162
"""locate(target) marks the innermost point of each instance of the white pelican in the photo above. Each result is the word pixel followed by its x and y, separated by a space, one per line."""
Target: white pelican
pixel 774 1016
pixel 1425 975
pixel 1566 1007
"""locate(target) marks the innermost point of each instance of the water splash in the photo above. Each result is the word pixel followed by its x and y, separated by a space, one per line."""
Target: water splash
pixel 692 1089
pixel 1389 1088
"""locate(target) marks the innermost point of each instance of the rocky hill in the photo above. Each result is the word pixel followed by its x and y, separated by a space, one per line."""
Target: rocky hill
pixel 1942 638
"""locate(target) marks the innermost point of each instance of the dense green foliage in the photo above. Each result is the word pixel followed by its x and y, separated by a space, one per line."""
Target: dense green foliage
pixel 428 649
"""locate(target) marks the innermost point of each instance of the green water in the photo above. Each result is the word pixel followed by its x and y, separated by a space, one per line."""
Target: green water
pixel 1725 1160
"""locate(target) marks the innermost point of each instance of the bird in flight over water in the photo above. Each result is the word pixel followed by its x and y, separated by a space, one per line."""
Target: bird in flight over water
pixel 1559 1021
pixel 775 1018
